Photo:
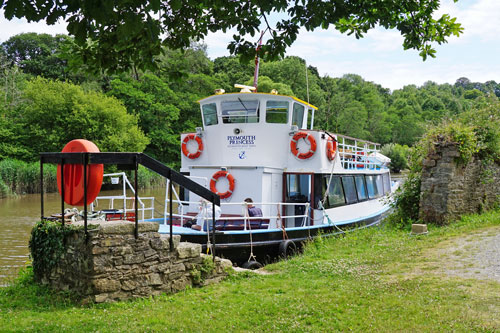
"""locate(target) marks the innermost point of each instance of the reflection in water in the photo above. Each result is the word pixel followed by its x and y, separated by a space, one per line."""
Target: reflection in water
pixel 19 214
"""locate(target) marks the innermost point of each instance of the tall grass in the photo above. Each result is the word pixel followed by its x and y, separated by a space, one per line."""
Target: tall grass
pixel 22 177
pixel 18 177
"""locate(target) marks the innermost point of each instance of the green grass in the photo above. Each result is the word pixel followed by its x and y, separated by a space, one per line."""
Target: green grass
pixel 365 281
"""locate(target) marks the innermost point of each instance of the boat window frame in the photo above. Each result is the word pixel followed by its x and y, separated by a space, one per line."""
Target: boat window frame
pixel 301 126
pixel 355 189
pixel 247 116
pixel 279 101
pixel 216 114
pixel 362 176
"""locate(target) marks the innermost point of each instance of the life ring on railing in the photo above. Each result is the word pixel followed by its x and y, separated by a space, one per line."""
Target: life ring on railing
pixel 312 143
pixel 186 152
pixel 331 149
pixel 213 183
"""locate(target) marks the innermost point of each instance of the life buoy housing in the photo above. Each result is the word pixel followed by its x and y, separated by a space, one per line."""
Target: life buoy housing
pixel 331 149
pixel 74 187
pixel 312 143
pixel 213 183
pixel 186 152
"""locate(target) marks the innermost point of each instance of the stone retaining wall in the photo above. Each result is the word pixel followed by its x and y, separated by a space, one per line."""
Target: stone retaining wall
pixel 114 265
pixel 450 189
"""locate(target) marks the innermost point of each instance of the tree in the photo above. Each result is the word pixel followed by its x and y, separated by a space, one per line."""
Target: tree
pixel 119 34
pixel 54 113
pixel 36 54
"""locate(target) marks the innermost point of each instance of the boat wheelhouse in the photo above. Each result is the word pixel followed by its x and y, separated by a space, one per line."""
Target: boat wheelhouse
pixel 306 182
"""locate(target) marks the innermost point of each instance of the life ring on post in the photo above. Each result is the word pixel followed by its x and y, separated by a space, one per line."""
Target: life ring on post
pixel 186 152
pixel 331 149
pixel 213 183
pixel 312 143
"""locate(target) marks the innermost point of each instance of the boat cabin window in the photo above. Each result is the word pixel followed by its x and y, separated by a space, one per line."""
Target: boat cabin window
pixel 209 114
pixel 361 187
pixel 298 115
pixel 240 111
pixel 277 112
pixel 380 185
pixel 349 189
pixel 335 195
pixel 387 183
pixel 374 191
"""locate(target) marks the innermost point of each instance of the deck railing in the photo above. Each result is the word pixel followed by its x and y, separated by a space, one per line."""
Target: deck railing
pixel 357 154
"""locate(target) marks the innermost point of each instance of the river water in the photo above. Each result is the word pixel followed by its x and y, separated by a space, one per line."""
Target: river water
pixel 19 214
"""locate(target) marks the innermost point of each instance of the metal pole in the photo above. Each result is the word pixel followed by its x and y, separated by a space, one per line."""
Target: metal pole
pixel 62 192
pixel 85 161
pixel 213 231
pixel 41 188
pixel 136 206
pixel 170 208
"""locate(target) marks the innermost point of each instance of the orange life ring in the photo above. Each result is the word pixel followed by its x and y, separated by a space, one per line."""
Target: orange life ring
pixel 213 183
pixel 186 152
pixel 331 149
pixel 312 143
pixel 73 175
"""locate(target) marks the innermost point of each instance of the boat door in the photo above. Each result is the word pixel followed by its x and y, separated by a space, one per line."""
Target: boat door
pixel 298 189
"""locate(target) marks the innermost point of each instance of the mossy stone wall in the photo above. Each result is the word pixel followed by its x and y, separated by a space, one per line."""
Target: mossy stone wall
pixel 450 189
pixel 114 265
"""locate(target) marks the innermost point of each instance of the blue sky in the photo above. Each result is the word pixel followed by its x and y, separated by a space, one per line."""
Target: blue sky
pixel 379 57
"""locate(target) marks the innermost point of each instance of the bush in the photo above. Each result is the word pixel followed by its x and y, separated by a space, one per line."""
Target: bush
pixel 397 154
pixel 21 177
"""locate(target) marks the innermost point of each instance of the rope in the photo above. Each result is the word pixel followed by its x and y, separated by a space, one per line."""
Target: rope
pixel 250 229
pixel 285 236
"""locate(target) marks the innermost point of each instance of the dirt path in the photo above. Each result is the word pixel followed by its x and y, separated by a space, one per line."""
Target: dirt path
pixel 474 256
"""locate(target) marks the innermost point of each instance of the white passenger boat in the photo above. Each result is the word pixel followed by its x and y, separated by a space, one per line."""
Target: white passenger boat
pixel 306 182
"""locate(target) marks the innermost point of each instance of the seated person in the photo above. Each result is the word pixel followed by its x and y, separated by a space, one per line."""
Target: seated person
pixel 205 214
pixel 252 210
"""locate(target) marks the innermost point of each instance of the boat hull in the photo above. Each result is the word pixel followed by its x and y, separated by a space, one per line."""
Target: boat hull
pixel 238 246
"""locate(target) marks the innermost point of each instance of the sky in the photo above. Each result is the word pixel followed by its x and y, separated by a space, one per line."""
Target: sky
pixel 379 56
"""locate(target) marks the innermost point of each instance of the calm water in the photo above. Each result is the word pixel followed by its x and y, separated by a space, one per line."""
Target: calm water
pixel 19 214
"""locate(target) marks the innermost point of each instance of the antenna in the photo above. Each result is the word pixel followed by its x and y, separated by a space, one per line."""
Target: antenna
pixel 307 81
pixel 257 61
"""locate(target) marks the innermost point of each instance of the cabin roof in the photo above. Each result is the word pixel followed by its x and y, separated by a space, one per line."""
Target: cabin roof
pixel 259 93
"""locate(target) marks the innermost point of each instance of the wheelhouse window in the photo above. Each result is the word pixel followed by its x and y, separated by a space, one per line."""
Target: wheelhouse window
pixel 361 187
pixel 240 111
pixel 277 112
pixel 349 189
pixel 310 118
pixel 298 115
pixel 335 195
pixel 209 114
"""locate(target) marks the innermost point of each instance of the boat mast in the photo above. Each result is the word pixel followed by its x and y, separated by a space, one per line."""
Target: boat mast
pixel 257 61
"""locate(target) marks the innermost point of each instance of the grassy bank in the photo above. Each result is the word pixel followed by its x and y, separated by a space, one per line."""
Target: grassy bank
pixel 18 177
pixel 365 281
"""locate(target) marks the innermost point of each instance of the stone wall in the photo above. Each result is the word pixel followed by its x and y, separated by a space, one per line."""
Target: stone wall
pixel 114 265
pixel 450 189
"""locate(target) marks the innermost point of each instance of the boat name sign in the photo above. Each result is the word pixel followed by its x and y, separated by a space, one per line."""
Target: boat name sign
pixel 241 141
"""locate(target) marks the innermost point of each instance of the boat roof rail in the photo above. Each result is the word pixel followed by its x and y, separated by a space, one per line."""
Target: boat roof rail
pixel 356 139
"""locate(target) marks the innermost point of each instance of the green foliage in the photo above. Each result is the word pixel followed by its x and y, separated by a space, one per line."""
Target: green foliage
pixel 37 54
pixel 47 246
pixel 147 178
pixel 397 154
pixel 54 113
pixel 120 35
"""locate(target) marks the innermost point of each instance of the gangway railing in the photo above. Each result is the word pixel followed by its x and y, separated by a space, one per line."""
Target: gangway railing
pixel 123 197
pixel 130 161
